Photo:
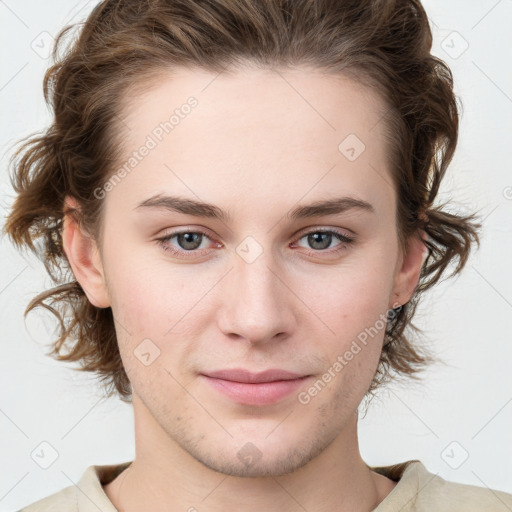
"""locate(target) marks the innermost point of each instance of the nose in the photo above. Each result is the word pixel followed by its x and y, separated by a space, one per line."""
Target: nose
pixel 257 304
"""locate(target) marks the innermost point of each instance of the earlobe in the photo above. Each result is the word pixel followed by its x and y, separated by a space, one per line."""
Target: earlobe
pixel 407 276
pixel 84 258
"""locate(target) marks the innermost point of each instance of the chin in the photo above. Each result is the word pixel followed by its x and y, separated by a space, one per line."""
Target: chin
pixel 260 469
pixel 251 462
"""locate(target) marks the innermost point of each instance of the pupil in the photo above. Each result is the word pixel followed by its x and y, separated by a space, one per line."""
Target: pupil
pixel 315 238
pixel 189 241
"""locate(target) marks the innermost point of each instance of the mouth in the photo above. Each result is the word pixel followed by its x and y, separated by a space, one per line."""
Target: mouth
pixel 264 388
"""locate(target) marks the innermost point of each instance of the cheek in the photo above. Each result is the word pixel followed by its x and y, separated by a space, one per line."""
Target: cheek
pixel 358 318
pixel 139 303
pixel 144 311
pixel 153 302
pixel 353 303
pixel 352 298
pixel 146 294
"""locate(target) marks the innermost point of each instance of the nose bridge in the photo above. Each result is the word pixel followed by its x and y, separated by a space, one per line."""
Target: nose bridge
pixel 259 306
pixel 258 280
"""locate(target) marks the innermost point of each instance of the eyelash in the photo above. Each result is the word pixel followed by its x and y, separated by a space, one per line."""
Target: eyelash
pixel 343 238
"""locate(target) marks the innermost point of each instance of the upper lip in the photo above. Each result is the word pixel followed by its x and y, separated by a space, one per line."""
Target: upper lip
pixel 241 375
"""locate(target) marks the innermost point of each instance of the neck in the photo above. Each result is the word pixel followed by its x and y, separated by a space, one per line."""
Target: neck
pixel 163 476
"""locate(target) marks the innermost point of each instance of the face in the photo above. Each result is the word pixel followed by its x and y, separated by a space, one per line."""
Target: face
pixel 258 280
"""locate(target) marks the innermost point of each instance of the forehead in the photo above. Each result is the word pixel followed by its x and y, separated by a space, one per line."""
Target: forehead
pixel 258 132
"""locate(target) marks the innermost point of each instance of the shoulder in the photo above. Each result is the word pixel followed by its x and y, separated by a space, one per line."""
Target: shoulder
pixel 419 490
pixel 445 495
pixel 87 495
pixel 64 500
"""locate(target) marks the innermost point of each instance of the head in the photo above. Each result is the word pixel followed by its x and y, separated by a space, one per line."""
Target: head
pixel 235 106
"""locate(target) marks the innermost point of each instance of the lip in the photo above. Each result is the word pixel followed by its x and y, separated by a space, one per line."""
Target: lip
pixel 249 388
pixel 241 375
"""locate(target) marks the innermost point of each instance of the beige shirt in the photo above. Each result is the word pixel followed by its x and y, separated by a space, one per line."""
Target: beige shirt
pixel 417 491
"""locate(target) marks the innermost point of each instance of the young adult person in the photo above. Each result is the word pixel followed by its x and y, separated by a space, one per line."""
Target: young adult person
pixel 240 191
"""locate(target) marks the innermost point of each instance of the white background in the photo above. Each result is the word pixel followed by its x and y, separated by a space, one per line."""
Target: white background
pixel 468 321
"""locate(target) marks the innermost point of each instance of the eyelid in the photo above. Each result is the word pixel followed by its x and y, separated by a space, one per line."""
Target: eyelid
pixel 171 232
pixel 344 239
pixel 344 234
pixel 164 242
pixel 303 232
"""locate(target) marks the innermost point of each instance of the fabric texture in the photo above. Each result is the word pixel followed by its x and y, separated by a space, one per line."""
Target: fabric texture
pixel 417 490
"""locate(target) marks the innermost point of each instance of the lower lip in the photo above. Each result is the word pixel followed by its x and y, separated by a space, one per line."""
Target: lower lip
pixel 262 393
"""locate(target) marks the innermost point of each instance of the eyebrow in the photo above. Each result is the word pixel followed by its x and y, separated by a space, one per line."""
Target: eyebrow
pixel 201 209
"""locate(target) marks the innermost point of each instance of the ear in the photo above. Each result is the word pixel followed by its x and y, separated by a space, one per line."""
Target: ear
pixel 408 271
pixel 84 258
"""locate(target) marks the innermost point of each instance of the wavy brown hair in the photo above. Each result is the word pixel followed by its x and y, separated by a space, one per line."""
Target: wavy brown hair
pixel 124 44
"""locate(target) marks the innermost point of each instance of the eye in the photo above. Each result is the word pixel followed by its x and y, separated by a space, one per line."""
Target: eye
pixel 193 243
pixel 321 240
pixel 186 241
